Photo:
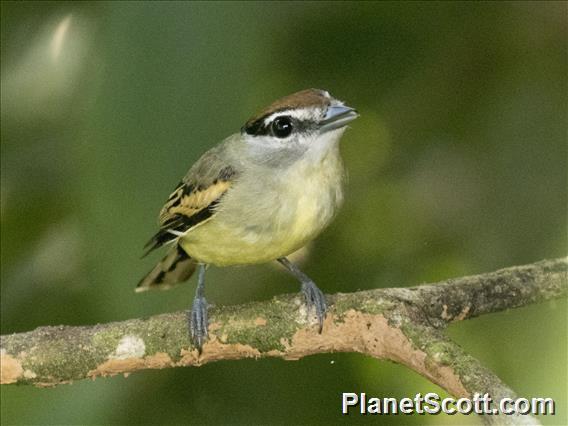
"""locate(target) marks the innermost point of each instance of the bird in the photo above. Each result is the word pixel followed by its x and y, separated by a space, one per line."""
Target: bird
pixel 256 197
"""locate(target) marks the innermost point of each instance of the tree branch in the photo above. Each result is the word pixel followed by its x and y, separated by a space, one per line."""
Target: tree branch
pixel 404 325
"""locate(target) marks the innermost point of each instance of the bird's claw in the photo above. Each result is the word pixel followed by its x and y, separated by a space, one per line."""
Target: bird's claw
pixel 315 298
pixel 198 321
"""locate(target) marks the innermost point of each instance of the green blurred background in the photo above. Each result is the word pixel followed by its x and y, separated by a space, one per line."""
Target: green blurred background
pixel 457 166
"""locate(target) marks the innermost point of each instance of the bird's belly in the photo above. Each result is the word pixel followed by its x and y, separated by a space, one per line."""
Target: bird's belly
pixel 223 247
pixel 224 244
pixel 259 236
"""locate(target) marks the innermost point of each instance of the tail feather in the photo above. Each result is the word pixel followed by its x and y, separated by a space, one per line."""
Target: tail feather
pixel 173 269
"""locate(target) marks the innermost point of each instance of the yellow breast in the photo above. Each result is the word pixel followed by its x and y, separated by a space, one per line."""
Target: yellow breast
pixel 259 222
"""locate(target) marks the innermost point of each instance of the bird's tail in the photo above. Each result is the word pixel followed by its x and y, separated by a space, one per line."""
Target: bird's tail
pixel 173 269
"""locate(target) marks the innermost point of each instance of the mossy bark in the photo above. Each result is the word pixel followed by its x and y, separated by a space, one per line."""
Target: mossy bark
pixel 405 325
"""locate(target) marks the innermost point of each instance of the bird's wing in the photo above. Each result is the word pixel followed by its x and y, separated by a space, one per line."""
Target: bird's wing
pixel 194 199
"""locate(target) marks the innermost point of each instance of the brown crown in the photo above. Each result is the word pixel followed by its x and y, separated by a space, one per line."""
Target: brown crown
pixel 303 99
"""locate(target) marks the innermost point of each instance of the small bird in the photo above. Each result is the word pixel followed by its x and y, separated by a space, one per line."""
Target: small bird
pixel 258 196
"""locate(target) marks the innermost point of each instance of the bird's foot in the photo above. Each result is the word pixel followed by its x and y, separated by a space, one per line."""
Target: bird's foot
pixel 198 321
pixel 315 298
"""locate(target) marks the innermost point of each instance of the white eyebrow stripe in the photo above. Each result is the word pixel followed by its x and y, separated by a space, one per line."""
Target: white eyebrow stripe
pixel 300 114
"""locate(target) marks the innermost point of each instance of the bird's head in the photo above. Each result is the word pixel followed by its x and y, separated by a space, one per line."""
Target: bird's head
pixel 310 120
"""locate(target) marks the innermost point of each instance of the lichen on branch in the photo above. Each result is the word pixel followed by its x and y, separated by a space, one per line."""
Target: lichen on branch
pixel 405 325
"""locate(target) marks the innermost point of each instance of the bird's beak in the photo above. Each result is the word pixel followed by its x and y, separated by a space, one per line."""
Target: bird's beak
pixel 337 116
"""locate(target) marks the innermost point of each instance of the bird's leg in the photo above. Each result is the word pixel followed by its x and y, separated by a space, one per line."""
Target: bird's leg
pixel 198 315
pixel 314 296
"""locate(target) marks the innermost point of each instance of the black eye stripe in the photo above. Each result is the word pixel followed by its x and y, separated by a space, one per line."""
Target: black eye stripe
pixel 255 128
pixel 259 128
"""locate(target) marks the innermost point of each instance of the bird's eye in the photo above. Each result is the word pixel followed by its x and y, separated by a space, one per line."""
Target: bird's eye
pixel 282 127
